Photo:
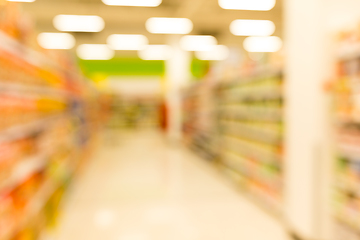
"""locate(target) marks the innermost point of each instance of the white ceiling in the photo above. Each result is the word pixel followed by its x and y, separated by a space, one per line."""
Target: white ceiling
pixel 207 16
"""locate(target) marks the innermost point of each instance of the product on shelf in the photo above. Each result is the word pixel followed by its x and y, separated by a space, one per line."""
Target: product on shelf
pixel 199 119
pixel 239 122
pixel 250 118
pixel 134 112
pixel 49 114
pixel 346 102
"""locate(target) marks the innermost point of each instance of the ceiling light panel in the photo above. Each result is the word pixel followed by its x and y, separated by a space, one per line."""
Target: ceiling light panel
pixel 56 40
pixel 79 23
pixel 242 27
pixel 198 43
pixel 217 53
pixel 133 3
pixel 262 44
pixel 156 52
pixel 255 5
pixel 169 25
pixel 95 52
pixel 127 41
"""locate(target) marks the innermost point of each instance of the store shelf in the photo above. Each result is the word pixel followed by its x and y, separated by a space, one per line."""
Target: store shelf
pixel 346 229
pixel 264 133
pixel 263 94
pixel 347 142
pixel 49 115
pixel 269 204
pixel 348 52
pixel 7 87
pixel 200 123
pixel 250 119
pixel 24 130
pixel 261 153
pixel 23 171
pixel 258 113
pixel 350 151
pixel 34 206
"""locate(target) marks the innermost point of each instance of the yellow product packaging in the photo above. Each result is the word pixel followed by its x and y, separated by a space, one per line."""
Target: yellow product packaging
pixel 50 78
pixel 49 105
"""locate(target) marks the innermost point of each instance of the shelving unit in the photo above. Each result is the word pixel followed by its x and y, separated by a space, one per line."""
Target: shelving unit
pixel 135 112
pixel 251 129
pixel 345 91
pixel 48 116
pixel 200 120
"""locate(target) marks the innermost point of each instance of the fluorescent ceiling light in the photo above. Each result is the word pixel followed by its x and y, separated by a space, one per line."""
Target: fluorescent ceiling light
pixel 21 1
pixel 217 53
pixel 78 23
pixel 198 43
pixel 169 25
pixel 156 52
pixel 95 52
pixel 56 40
pixel 262 44
pixel 252 27
pixel 133 3
pixel 255 5
pixel 127 41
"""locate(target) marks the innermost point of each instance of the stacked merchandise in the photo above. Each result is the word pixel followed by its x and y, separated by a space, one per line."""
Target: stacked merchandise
pixel 115 119
pixel 130 113
pixel 148 113
pixel 199 120
pixel 250 118
pixel 346 90
pixel 48 115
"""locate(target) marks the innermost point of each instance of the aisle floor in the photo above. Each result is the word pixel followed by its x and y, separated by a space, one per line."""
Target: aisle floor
pixel 140 187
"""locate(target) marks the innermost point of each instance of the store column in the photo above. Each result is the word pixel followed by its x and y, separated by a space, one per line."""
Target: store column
pixel 308 162
pixel 177 75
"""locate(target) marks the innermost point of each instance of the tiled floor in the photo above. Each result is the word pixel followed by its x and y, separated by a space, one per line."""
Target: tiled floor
pixel 139 187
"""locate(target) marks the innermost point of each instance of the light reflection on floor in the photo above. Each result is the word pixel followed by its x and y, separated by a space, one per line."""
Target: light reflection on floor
pixel 139 187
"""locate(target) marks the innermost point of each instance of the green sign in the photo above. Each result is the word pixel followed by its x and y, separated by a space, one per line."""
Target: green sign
pixel 135 67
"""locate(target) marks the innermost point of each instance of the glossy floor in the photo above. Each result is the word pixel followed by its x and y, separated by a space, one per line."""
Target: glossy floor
pixel 140 187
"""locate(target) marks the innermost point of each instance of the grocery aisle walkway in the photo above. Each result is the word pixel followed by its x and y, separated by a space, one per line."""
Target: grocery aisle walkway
pixel 138 187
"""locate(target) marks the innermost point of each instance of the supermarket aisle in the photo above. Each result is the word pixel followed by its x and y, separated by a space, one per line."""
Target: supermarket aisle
pixel 138 187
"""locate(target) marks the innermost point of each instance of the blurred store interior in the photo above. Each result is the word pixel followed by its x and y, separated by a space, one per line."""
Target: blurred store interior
pixel 179 119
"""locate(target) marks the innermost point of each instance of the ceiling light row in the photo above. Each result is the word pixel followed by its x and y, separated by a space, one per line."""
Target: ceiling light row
pixel 206 47
pixel 204 44
pixel 253 5
pixel 132 42
pixel 89 23
pixel 156 25
pixel 150 52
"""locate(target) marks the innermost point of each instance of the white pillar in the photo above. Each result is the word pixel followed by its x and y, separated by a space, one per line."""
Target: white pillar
pixel 177 75
pixel 308 163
